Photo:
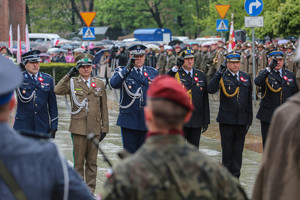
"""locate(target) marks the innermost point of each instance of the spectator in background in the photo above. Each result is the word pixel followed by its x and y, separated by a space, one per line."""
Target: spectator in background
pixel 62 58
pixel 70 58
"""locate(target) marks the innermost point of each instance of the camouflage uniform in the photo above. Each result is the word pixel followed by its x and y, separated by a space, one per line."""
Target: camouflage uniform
pixel 198 58
pixel 289 63
pixel 165 167
pixel 203 66
pixel 212 67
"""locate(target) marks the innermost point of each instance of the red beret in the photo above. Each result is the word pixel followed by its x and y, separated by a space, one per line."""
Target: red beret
pixel 161 45
pixel 2 48
pixel 166 87
pixel 177 46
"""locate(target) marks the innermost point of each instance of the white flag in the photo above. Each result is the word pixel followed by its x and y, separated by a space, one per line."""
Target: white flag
pixel 19 47
pixel 27 43
pixel 10 40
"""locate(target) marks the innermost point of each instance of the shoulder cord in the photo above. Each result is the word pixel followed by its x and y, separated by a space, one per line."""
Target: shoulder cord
pixel 272 89
pixel 65 173
pixel 25 99
pixel 78 104
pixel 134 96
pixel 189 92
pixel 237 91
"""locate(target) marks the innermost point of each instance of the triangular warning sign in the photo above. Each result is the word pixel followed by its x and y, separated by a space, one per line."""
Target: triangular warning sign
pixel 88 34
pixel 222 26
pixel 88 17
pixel 222 10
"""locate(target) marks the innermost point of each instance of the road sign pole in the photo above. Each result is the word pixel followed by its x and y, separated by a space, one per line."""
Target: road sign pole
pixel 222 36
pixel 88 47
pixel 253 56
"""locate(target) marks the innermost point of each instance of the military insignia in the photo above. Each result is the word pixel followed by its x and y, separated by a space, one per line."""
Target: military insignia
pixel 40 79
pixel 74 92
pixel 242 79
pixel 24 91
pixel 42 85
pixel 78 89
pixel 228 74
pixel 196 74
pixel 86 59
pixel 129 87
pixel 93 84
pixel 196 79
pixel 288 83
pixel 201 88
pixel 146 74
pixel 285 78
pixel 183 74
pixel 197 84
pixel 26 76
pixel 229 87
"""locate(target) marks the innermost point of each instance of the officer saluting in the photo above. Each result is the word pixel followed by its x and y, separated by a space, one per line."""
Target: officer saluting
pixel 37 106
pixel 195 82
pixel 235 111
pixel 133 81
pixel 89 114
pixel 277 85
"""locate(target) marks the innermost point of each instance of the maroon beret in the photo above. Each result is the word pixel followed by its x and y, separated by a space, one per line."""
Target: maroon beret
pixel 3 47
pixel 167 87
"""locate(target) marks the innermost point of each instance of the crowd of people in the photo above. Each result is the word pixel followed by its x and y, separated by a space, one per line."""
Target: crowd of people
pixel 163 110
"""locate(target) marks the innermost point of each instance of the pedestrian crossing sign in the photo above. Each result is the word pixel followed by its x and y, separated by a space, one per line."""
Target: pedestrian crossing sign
pixel 88 33
pixel 222 24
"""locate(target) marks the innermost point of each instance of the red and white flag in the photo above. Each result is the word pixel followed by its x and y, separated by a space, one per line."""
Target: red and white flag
pixel 10 40
pixel 55 42
pixel 27 43
pixel 19 47
pixel 231 38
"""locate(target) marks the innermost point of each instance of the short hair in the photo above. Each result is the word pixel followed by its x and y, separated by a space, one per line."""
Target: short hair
pixel 167 114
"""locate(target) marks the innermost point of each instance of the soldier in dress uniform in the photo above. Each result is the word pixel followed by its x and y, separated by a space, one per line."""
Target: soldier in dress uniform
pixel 133 81
pixel 89 114
pixel 195 82
pixel 159 57
pixel 282 47
pixel 211 62
pixel 290 64
pixel 37 106
pixel 244 58
pixel 235 111
pixel 261 57
pixel 277 85
pixel 238 47
pixel 250 60
pixel 31 168
pixel 166 167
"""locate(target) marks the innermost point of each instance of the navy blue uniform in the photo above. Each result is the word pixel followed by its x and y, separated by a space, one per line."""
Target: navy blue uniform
pixel 37 106
pixel 272 99
pixel 38 169
pixel 133 88
pixel 197 85
pixel 235 115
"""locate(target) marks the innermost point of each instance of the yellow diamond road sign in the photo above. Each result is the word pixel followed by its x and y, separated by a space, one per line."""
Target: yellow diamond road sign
pixel 222 10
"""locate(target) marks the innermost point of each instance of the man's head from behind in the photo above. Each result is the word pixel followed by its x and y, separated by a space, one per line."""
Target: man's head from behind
pixel 10 78
pixel 168 105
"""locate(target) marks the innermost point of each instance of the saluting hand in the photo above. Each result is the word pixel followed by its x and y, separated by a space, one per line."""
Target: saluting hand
pixel 130 63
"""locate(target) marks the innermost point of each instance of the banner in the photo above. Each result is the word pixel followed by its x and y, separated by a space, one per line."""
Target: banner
pixel 19 47
pixel 27 42
pixel 10 40
pixel 231 37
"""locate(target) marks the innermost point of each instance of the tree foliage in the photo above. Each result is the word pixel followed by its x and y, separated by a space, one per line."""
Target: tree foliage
pixel 192 18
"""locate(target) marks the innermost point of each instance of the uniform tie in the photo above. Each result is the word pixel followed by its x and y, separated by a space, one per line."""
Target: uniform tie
pixel 278 73
pixel 33 78
pixel 236 77
pixel 139 73
pixel 190 76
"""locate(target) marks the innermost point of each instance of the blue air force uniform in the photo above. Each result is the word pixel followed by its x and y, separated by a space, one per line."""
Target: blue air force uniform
pixel 235 112
pixel 37 167
pixel 133 87
pixel 37 106
pixel 277 86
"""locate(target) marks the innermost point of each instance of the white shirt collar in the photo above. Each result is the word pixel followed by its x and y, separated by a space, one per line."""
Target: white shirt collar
pixel 188 71
pixel 88 81
pixel 138 68
pixel 238 73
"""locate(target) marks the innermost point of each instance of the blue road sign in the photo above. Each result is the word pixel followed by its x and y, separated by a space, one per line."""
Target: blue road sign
pixel 88 33
pixel 222 24
pixel 253 7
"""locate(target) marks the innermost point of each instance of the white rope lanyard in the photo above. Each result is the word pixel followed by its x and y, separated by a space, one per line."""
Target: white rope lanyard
pixel 78 104
pixel 138 94
pixel 25 99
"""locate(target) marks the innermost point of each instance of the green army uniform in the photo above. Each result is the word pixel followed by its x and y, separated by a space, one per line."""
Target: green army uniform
pixel 198 58
pixel 212 66
pixel 166 167
pixel 203 65
pixel 290 64
pixel 261 59
pixel 221 57
pixel 244 60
